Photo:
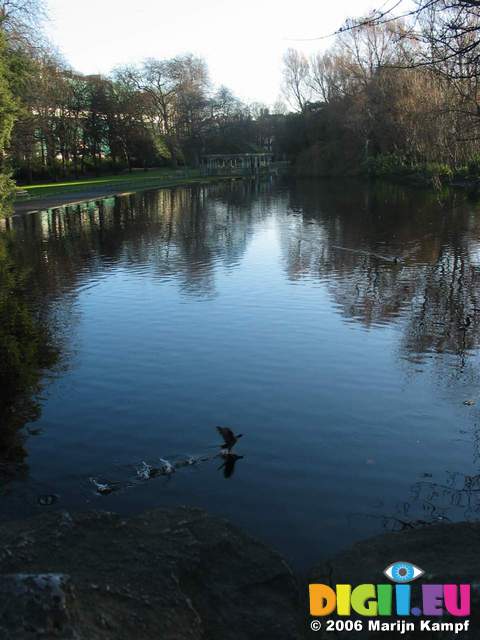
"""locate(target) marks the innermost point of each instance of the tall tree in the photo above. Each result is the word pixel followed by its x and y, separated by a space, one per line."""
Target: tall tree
pixel 296 87
pixel 8 113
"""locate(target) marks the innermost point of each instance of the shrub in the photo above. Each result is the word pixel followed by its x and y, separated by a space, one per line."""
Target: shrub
pixel 7 194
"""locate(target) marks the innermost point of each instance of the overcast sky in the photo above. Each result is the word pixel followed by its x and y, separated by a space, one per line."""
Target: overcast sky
pixel 242 41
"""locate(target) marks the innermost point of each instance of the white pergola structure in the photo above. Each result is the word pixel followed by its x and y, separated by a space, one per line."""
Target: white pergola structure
pixel 236 163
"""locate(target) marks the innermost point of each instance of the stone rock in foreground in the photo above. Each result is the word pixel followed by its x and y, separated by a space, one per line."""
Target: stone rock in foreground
pixel 171 574
pixel 448 553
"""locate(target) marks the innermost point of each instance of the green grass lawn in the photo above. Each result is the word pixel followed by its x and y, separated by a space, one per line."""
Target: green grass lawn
pixel 134 181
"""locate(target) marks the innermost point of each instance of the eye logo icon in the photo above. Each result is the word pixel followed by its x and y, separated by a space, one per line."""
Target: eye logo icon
pixel 403 572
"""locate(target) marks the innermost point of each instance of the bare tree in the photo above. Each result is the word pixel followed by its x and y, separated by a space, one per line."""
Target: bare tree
pixel 447 32
pixel 324 78
pixel 176 104
pixel 296 70
pixel 154 81
pixel 22 21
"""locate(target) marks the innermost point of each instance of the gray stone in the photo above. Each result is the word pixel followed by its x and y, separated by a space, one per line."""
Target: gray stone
pixel 172 574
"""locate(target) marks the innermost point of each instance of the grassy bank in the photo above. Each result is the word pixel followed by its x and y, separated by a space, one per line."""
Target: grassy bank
pixel 56 194
pixel 134 181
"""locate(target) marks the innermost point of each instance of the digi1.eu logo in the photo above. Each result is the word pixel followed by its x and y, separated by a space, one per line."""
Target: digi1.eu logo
pixel 401 597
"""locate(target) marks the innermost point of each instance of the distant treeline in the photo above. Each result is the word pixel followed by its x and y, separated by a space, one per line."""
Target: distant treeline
pixel 392 95
pixel 160 112
pixel 56 123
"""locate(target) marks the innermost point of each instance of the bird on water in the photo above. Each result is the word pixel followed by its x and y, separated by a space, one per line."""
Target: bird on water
pixel 229 439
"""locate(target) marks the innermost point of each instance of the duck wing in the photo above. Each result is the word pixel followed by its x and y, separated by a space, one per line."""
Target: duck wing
pixel 227 435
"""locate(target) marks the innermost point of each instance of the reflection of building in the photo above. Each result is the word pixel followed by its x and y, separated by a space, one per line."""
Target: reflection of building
pixel 236 163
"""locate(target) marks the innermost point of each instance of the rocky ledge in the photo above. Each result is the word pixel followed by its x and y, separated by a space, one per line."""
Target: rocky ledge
pixel 172 574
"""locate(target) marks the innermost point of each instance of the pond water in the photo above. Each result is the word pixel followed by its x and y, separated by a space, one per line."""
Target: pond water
pixel 335 325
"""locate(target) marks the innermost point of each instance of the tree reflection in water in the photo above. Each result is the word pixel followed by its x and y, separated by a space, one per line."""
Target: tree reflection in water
pixel 25 350
pixel 45 259
pixel 432 295
pixel 435 284
pixel 344 235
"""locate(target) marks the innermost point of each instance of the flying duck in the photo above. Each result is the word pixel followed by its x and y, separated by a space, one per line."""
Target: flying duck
pixel 230 439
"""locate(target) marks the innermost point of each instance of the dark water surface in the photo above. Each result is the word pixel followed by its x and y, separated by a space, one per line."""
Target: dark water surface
pixel 277 310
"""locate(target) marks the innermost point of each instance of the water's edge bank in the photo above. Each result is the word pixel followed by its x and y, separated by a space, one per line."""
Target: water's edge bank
pixel 70 198
pixel 34 205
pixel 182 573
